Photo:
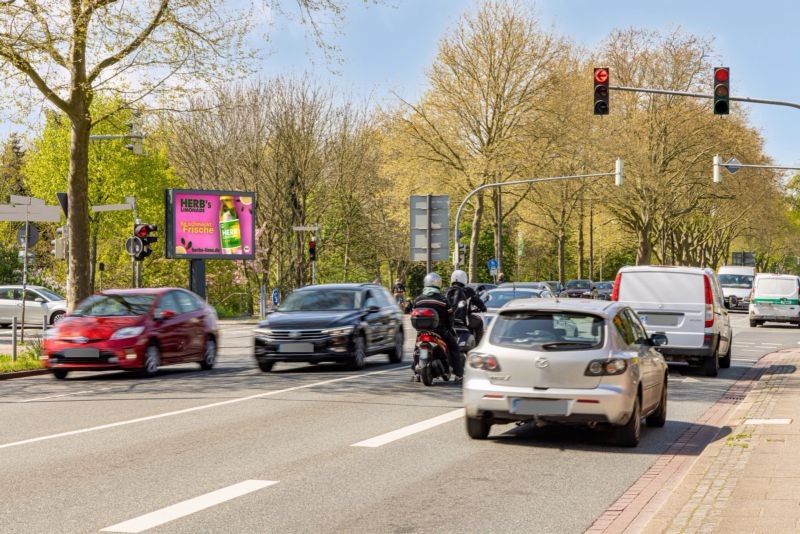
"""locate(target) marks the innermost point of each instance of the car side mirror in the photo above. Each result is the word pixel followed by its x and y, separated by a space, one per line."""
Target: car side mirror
pixel 40 300
pixel 373 308
pixel 658 339
pixel 166 314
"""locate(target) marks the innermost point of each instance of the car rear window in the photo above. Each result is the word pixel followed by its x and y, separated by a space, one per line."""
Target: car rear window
pixel 115 305
pixel 546 330
pixel 496 298
pixel 776 286
pixel 662 286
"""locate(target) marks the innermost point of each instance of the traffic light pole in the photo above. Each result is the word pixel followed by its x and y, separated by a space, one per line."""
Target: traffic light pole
pixel 617 174
pixel 703 95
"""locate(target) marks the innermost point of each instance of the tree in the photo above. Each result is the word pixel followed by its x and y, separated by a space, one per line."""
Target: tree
pixel 70 52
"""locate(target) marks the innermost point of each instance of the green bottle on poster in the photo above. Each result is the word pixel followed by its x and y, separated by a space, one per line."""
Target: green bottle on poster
pixel 230 232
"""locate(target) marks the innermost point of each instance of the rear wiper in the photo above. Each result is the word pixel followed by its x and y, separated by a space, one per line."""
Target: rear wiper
pixel 554 344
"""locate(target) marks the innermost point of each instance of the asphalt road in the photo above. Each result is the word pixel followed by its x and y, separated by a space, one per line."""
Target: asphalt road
pixel 238 450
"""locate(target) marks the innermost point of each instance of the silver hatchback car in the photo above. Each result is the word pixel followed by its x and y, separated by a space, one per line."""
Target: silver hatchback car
pixel 567 361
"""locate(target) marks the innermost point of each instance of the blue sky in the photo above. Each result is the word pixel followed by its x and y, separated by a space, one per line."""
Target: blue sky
pixel 388 47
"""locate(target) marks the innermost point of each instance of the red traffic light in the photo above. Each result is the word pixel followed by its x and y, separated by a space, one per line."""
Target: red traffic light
pixel 601 75
pixel 312 244
pixel 141 230
pixel 721 74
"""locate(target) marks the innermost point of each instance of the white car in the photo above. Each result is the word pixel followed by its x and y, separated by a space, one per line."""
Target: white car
pixel 40 302
pixel 737 284
pixel 686 304
pixel 527 368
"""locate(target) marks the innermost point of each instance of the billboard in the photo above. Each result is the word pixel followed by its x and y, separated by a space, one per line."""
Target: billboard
pixel 210 224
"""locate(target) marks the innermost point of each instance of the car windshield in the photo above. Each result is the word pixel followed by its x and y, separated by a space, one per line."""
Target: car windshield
pixel 546 330
pixel 115 305
pixel 741 281
pixel 578 284
pixel 322 300
pixel 604 285
pixel 498 297
pixel 49 295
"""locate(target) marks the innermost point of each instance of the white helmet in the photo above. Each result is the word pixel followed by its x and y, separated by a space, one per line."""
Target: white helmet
pixel 459 276
pixel 432 280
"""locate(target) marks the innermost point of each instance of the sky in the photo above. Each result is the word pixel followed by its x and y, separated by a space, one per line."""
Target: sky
pixel 386 48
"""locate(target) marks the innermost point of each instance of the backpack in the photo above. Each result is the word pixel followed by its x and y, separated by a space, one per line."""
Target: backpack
pixel 457 300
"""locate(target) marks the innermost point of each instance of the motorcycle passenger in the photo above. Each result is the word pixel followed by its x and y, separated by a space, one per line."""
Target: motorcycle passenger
pixel 432 298
pixel 463 300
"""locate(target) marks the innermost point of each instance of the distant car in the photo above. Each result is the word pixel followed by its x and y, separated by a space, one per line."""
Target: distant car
pixel 497 298
pixel 39 302
pixel 604 289
pixel 526 285
pixel 133 330
pixel 528 368
pixel 737 285
pixel 776 298
pixel 331 323
pixel 476 286
pixel 580 289
pixel 555 286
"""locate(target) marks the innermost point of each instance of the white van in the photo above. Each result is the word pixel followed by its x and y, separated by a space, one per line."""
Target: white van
pixel 737 284
pixel 686 304
pixel 775 299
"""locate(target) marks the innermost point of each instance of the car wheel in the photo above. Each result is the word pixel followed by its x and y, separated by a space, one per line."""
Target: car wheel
pixel 266 366
pixel 152 359
pixel 753 324
pixel 57 316
pixel 711 365
pixel 629 434
pixel 396 355
pixel 725 361
pixel 61 374
pixel 209 355
pixel 478 427
pixel 359 360
pixel 427 375
pixel 658 418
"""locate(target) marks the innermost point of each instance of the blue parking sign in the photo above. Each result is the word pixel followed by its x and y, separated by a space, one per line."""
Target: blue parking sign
pixel 275 296
pixel 492 264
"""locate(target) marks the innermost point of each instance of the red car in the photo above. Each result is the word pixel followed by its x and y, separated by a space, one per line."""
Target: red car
pixel 133 330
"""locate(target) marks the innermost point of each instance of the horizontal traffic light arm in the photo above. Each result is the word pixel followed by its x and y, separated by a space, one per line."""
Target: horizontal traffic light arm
pixel 702 95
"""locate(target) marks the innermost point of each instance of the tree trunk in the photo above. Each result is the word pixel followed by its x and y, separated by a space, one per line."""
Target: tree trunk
pixel 591 241
pixel 562 240
pixel 78 287
pixel 644 250
pixel 498 229
pixel 475 237
pixel 580 241
pixel 93 260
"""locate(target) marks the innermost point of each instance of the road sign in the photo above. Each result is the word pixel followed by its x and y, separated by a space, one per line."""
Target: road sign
pixel 134 245
pixel 732 165
pixel 33 235
pixel 492 264
pixel 275 296
pixel 433 226
pixel 112 207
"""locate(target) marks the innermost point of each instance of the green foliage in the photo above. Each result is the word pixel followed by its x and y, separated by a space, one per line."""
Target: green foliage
pixel 26 361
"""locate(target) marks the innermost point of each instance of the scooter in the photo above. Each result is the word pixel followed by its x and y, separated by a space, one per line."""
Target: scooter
pixel 430 350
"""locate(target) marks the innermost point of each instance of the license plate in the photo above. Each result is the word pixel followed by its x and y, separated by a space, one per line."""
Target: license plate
pixel 540 407
pixel 423 354
pixel 82 353
pixel 656 319
pixel 296 347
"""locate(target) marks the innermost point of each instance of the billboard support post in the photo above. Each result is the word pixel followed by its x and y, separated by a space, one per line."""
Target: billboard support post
pixel 197 277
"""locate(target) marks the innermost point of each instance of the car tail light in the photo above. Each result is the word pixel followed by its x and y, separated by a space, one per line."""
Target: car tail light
pixel 612 367
pixel 487 362
pixel 615 291
pixel 423 312
pixel 426 338
pixel 709 302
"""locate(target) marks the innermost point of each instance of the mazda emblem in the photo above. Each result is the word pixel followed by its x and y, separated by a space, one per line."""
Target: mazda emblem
pixel 541 363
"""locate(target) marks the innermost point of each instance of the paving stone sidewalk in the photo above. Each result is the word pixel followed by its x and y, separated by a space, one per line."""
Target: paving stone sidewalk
pixel 748 480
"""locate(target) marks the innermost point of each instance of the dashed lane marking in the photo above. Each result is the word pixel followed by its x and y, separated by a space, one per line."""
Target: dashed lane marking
pixel 409 430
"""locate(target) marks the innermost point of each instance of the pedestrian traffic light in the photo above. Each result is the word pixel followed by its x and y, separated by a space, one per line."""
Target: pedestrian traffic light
pixel 722 90
pixel 59 244
pixel 601 79
pixel 312 250
pixel 145 232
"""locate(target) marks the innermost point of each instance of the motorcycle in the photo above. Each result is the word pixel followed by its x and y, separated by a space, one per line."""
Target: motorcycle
pixel 430 350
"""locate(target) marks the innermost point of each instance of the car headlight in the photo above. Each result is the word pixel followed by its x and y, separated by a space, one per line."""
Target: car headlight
pixel 128 331
pixel 338 331
pixel 263 331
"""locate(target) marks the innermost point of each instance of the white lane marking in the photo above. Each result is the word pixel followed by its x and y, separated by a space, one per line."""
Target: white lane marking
pixel 188 507
pixel 56 396
pixel 771 344
pixel 406 431
pixel 743 342
pixel 751 350
pixel 194 408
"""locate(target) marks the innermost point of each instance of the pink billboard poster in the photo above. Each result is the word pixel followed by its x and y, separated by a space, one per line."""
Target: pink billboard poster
pixel 211 223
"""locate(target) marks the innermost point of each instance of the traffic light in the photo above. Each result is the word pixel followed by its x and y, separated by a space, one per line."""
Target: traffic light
pixel 59 244
pixel 722 90
pixel 312 250
pixel 601 79
pixel 145 232
pixel 462 252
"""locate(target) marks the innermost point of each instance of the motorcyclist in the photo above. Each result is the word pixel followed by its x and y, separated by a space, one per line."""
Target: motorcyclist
pixel 432 297
pixel 459 291
pixel 399 291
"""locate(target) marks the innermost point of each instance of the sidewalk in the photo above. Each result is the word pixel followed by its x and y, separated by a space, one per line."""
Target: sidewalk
pixel 748 479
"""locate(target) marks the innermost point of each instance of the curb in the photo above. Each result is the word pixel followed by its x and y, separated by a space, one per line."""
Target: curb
pixel 23 374
pixel 639 504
